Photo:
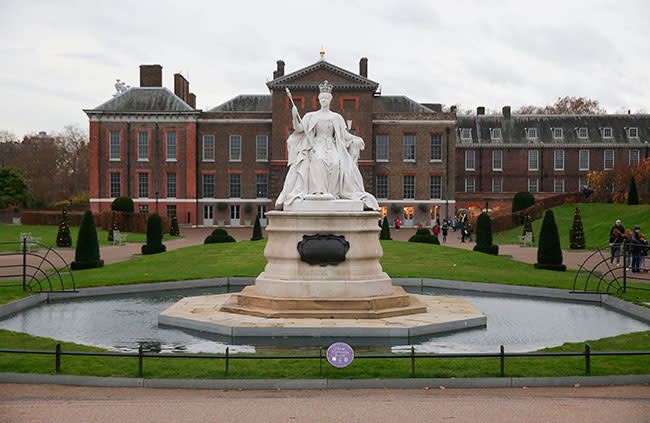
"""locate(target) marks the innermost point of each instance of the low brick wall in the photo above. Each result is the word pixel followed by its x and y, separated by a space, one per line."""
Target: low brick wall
pixel 49 217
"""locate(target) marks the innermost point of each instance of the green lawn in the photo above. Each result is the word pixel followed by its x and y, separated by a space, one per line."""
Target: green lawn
pixel 359 369
pixel 597 220
pixel 48 235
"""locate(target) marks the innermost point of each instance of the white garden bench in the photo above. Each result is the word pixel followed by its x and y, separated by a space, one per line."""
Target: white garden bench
pixel 526 240
pixel 119 238
pixel 30 241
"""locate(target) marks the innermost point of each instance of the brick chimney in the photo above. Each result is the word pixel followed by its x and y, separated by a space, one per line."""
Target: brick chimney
pixel 363 67
pixel 506 112
pixel 191 100
pixel 181 87
pixel 150 76
pixel 280 70
pixel 480 110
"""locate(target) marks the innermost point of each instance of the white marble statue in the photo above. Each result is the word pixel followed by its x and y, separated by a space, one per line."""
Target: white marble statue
pixel 323 158
pixel 120 87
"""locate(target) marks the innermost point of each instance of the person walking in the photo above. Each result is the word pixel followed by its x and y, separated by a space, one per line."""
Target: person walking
pixel 644 254
pixel 436 230
pixel 636 246
pixel 445 230
pixel 615 241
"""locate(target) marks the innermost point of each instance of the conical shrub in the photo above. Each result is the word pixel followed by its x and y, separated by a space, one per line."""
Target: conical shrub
pixel 63 238
pixel 86 255
pixel 154 243
pixel 257 230
pixel 577 233
pixel 549 252
pixel 385 229
pixel 484 236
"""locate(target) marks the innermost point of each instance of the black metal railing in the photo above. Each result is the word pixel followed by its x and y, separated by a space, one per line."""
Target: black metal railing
pixel 599 274
pixel 37 267
pixel 412 356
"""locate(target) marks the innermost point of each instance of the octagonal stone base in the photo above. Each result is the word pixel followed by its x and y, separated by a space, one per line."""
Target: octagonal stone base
pixel 203 313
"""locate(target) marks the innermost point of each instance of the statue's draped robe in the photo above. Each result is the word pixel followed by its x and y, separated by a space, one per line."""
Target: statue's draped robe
pixel 332 168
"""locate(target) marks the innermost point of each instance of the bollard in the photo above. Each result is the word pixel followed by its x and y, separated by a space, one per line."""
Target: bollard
pixel 140 361
pixel 57 360
pixel 412 361
pixel 227 360
pixel 503 362
pixel 588 359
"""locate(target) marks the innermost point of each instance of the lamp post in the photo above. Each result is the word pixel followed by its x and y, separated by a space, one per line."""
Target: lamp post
pixel 157 202
pixel 486 206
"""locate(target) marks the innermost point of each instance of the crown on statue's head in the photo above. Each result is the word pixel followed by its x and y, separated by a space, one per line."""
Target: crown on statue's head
pixel 325 87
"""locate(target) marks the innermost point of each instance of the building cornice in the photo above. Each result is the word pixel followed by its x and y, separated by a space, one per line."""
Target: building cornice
pixel 412 122
pixel 95 116
pixel 554 145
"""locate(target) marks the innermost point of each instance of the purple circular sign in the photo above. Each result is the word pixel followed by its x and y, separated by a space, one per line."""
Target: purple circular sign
pixel 340 354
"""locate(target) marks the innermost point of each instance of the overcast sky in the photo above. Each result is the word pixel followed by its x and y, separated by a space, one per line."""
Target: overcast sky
pixel 59 57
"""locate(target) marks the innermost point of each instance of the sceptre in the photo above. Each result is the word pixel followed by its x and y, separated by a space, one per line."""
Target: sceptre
pixel 311 144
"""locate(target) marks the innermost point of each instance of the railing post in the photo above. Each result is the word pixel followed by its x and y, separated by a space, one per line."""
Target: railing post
pixel 320 361
pixel 227 360
pixel 588 359
pixel 57 360
pixel 24 263
pixel 503 362
pixel 624 247
pixel 412 361
pixel 140 361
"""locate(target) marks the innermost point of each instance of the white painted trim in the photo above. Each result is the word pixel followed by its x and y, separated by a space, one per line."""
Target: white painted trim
pixel 551 145
pixel 236 120
pixel 416 122
pixel 411 202
pixel 188 200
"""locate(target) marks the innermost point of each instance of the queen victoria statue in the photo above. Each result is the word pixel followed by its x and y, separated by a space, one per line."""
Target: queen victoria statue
pixel 322 158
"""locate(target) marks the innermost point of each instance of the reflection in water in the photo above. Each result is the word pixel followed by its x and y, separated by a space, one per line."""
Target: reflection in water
pixel 125 322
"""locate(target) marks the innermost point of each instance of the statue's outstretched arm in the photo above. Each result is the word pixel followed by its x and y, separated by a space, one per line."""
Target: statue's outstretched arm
pixel 297 123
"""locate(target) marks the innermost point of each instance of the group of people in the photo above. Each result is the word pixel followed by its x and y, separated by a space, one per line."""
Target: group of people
pixel 634 243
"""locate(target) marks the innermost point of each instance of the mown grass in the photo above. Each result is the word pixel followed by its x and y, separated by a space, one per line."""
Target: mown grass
pixel 246 258
pixel 597 220
pixel 361 368
pixel 48 235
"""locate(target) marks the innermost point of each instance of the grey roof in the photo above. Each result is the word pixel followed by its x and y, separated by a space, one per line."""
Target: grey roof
pixel 513 130
pixel 245 103
pixel 397 104
pixel 353 80
pixel 145 99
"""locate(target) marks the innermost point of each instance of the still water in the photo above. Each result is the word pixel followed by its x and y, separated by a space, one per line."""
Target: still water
pixel 123 322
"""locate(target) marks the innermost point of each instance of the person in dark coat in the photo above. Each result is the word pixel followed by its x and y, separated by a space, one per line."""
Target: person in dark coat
pixel 615 241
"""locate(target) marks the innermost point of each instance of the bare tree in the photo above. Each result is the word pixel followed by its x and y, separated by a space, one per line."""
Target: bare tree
pixel 565 106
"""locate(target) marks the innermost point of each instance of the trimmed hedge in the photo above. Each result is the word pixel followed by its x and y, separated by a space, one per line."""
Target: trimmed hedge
pixel 123 204
pixel 423 235
pixel 154 243
pixel 522 200
pixel 218 236
pixel 484 236
pixel 549 252
pixel 86 255
pixel 385 229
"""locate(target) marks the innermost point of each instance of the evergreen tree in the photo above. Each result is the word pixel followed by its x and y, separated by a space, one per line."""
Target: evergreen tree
pixel 86 254
pixel 385 229
pixel 549 252
pixel 113 227
pixel 257 229
pixel 522 200
pixel 63 238
pixel 633 196
pixel 174 231
pixel 577 233
pixel 154 243
pixel 484 235
pixel 528 226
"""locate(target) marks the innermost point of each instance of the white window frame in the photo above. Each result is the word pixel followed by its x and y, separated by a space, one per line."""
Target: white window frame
pixel 580 134
pixel 533 185
pixel 111 156
pixel 612 152
pixel 558 155
pixel 495 134
pixel 497 184
pixel 377 191
pixel 231 184
pixel 264 183
pixel 558 133
pixel 168 157
pixel 233 155
pixel 531 133
pixel 582 182
pixel 465 134
pixel 638 157
pixel 497 164
pixel 175 185
pixel 206 157
pixel 437 145
pixel 380 148
pixel 607 132
pixel 203 185
pixel 408 147
pixel 435 188
pixel 143 190
pixel 633 129
pixel 558 185
pixel 113 182
pixel 533 154
pixel 264 139
pixel 139 145
pixel 470 185
pixel 470 160
pixel 404 185
pixel 580 153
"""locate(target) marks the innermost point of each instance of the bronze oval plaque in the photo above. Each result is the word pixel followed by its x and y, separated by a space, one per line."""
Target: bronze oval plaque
pixel 323 249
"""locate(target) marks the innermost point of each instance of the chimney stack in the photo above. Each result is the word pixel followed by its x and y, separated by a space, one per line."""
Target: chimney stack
pixel 363 67
pixel 506 112
pixel 150 76
pixel 181 87
pixel 191 100
pixel 280 70
pixel 480 110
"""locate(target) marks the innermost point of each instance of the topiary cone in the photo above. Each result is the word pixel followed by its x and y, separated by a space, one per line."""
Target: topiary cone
pixel 549 252
pixel 86 255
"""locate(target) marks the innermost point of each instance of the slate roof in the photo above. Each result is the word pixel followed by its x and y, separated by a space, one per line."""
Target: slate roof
pixel 397 104
pixel 245 103
pixel 354 81
pixel 513 130
pixel 144 99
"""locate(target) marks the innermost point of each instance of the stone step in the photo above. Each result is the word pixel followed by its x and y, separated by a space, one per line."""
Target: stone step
pixel 248 298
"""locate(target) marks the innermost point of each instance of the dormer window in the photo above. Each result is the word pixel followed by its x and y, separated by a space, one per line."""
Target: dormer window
pixel 582 133
pixel 558 133
pixel 495 133
pixel 633 132
pixel 465 134
pixel 606 132
pixel 531 133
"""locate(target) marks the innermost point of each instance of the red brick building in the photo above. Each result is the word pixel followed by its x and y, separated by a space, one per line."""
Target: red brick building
pixel 224 166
